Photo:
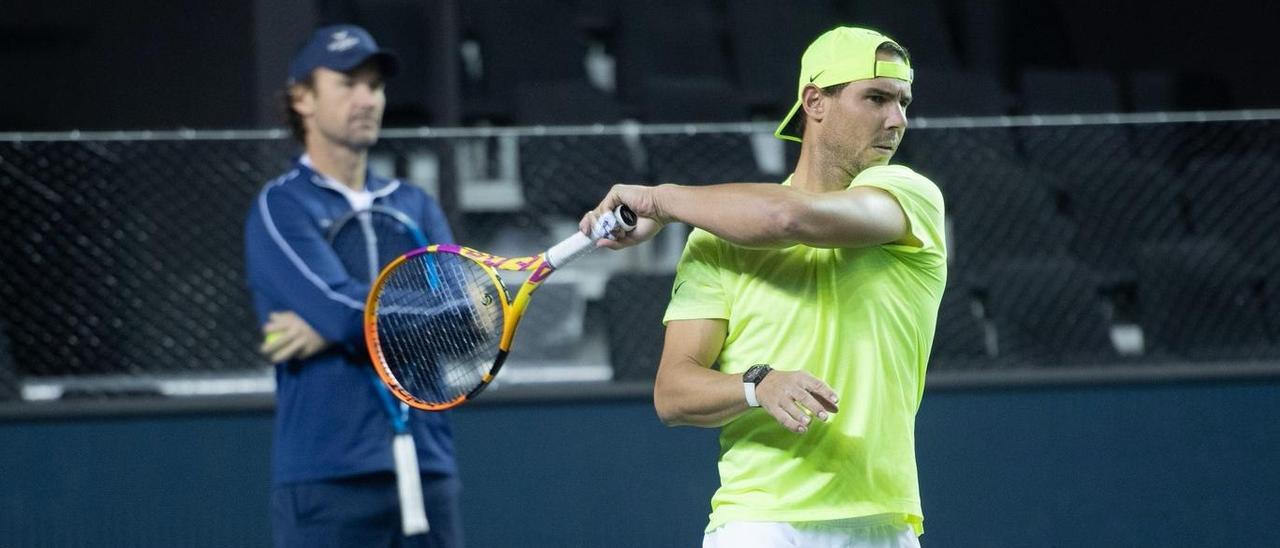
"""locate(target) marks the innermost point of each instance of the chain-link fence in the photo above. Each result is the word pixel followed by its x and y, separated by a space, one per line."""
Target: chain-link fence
pixel 1100 241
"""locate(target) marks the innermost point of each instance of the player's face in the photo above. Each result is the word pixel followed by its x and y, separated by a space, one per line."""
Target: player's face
pixel 348 106
pixel 868 119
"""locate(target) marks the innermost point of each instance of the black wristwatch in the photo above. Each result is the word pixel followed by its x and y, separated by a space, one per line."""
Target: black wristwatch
pixel 750 379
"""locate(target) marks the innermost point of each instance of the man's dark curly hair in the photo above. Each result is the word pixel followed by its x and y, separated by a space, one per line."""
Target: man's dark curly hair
pixel 296 127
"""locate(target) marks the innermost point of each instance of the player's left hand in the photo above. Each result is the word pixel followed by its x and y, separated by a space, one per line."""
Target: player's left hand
pixel 289 337
pixel 641 200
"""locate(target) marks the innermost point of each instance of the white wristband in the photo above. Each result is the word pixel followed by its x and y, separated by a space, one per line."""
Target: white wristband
pixel 749 389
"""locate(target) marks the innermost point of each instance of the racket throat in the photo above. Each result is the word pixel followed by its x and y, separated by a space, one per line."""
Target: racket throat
pixel 521 303
pixel 488 377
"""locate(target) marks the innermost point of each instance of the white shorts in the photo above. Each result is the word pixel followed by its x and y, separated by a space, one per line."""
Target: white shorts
pixel 864 532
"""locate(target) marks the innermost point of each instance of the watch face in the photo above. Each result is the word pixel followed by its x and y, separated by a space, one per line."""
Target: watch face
pixel 755 374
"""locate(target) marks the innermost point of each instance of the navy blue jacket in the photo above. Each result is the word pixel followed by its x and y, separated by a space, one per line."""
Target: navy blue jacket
pixel 330 421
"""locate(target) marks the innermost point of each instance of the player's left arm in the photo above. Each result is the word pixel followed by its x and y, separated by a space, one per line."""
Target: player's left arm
pixel 767 215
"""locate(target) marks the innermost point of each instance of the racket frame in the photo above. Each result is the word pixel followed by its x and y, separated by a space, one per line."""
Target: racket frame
pixel 513 310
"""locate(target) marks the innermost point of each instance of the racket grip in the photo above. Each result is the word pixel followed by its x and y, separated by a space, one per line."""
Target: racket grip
pixel 580 244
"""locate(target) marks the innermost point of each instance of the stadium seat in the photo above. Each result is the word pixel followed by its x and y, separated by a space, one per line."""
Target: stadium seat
pixel 567 175
pixel 521 41
pixel 703 158
pixel 9 382
pixel 1058 147
pixel 1048 312
pixel 946 155
pixel 960 340
pixel 1201 299
pixel 767 69
pixel 1000 211
pixel 1118 206
pixel 667 38
pixel 1236 197
pixel 1271 301
pixel 635 345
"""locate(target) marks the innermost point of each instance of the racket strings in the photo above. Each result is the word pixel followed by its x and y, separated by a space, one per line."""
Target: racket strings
pixel 365 241
pixel 440 335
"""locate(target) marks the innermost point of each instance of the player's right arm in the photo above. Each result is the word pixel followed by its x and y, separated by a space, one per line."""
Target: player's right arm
pixel 688 392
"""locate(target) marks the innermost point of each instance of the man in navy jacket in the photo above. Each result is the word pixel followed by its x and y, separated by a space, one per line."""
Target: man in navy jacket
pixel 333 462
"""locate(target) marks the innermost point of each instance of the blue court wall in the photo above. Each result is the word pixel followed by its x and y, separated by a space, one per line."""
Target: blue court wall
pixel 1140 464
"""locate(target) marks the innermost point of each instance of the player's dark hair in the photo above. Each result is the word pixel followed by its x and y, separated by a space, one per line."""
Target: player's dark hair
pixel 296 126
pixel 801 117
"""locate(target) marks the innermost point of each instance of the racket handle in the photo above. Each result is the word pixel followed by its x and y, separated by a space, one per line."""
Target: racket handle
pixel 580 244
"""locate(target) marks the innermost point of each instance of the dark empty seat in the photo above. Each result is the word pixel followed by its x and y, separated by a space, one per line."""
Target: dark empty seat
pixel 667 38
pixel 940 152
pixel 634 304
pixel 1236 197
pixel 959 342
pixel 1048 312
pixel 1271 301
pixel 567 175
pixel 1000 211
pixel 9 382
pixel 1049 91
pixel 1118 206
pixel 1058 148
pixel 1200 299
pixel 521 41
pixel 703 158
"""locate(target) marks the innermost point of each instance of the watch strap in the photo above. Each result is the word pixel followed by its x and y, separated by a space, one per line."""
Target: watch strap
pixel 749 390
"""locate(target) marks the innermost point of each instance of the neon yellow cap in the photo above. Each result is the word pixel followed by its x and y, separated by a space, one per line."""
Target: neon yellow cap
pixel 842 54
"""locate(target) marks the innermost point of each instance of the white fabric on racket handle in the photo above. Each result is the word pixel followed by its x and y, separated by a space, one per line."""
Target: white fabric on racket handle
pixel 580 244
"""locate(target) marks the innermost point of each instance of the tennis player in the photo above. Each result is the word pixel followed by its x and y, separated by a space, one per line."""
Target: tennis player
pixel 333 460
pixel 818 298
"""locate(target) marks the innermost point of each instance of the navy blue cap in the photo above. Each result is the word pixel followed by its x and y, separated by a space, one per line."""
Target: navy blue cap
pixel 340 48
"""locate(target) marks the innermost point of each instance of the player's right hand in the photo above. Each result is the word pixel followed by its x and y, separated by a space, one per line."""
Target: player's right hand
pixel 794 398
pixel 641 200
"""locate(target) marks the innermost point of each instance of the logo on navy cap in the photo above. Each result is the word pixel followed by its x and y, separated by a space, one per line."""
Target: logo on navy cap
pixel 343 41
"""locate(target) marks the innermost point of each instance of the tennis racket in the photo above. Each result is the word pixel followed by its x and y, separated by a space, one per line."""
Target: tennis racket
pixel 439 321
pixel 364 240
pixel 367 239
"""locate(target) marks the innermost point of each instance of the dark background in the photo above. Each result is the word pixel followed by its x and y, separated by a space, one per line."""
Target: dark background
pixel 1086 463
pixel 153 64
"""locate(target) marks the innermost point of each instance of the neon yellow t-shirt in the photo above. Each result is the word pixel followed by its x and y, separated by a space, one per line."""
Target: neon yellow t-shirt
pixel 862 320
